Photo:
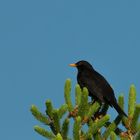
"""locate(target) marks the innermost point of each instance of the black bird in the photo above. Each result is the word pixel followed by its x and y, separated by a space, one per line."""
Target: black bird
pixel 97 85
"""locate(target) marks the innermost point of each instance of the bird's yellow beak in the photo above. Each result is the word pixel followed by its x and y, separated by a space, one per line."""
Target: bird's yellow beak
pixel 72 65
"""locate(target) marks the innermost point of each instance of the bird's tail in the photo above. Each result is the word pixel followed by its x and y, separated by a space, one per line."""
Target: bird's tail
pixel 118 109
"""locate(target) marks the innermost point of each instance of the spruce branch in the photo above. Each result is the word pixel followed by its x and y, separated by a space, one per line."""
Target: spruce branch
pixel 49 108
pixel 83 106
pixel 136 116
pixel 78 93
pixel 137 136
pixel 39 116
pixel 65 128
pixel 94 116
pixel 97 136
pixel 93 109
pixel 67 92
pixel 132 101
pixel 76 128
pixel 113 136
pixel 62 110
pixel 58 137
pixel 121 101
pixel 100 123
pixel 56 121
pixel 44 132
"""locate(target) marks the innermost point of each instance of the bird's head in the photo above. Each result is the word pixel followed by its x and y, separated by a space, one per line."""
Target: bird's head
pixel 82 65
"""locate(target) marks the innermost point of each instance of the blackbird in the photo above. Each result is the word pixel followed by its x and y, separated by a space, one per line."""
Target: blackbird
pixel 98 87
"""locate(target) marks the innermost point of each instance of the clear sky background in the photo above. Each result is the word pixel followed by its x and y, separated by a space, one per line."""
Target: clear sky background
pixel 39 38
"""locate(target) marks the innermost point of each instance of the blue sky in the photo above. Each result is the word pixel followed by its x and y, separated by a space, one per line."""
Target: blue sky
pixel 38 38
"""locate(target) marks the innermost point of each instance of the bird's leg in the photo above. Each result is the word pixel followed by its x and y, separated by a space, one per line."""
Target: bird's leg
pixel 104 109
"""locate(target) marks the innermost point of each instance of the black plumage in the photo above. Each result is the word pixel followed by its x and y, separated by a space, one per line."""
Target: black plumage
pixel 97 85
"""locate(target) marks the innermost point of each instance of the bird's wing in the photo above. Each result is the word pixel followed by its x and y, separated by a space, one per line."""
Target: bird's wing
pixel 98 87
pixel 91 85
pixel 103 87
